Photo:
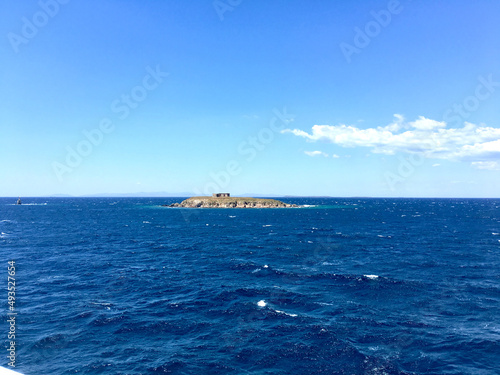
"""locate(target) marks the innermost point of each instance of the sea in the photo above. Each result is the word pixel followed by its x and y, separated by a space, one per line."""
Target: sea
pixel 337 286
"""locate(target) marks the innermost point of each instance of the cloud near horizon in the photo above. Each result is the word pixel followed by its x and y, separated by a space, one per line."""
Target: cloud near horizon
pixel 316 153
pixel 490 165
pixel 430 138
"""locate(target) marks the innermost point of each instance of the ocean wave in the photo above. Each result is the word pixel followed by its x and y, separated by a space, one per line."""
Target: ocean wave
pixel 49 341
pixel 310 274
pixel 285 313
pixel 106 320
pixel 105 304
pixel 172 366
pixel 27 204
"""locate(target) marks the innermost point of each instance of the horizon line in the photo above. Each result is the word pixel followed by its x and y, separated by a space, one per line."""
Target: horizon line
pixel 62 196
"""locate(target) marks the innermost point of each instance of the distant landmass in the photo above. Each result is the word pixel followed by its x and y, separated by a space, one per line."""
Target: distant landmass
pixel 163 194
pixel 160 194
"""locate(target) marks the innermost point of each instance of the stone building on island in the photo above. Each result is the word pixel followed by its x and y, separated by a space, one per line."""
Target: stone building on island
pixel 220 195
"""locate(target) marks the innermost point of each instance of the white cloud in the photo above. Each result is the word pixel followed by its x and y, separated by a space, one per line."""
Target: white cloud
pixel 335 156
pixel 427 124
pixel 315 153
pixel 430 138
pixel 490 165
pixel 436 165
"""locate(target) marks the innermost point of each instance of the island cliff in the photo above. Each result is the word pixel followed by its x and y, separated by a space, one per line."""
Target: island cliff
pixel 230 202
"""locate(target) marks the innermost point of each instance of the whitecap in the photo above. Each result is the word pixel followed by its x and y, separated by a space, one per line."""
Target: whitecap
pixel 495 234
pixel 371 277
pixel 232 216
pixel 29 204
pixel 266 266
pixel 262 303
pixel 282 312
pixel 267 225
pixel 146 222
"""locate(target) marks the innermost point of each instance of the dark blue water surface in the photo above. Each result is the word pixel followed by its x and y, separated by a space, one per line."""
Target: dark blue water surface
pixel 345 286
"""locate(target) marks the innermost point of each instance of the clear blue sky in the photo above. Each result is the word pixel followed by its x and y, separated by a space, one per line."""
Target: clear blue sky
pixel 339 98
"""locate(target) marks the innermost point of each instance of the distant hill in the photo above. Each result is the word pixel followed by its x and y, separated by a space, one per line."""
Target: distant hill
pixel 160 194
pixel 164 194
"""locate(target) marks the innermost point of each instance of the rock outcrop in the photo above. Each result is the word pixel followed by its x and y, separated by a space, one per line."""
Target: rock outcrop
pixel 210 202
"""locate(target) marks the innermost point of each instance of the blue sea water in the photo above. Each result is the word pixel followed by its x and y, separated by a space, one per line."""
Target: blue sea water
pixel 343 286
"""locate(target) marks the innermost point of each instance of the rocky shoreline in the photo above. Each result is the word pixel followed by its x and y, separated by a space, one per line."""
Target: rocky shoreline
pixel 226 202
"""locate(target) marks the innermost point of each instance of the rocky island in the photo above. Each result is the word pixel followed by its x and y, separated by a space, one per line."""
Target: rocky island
pixel 225 201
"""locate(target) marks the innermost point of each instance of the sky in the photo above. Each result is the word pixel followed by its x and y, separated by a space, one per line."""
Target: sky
pixel 312 98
